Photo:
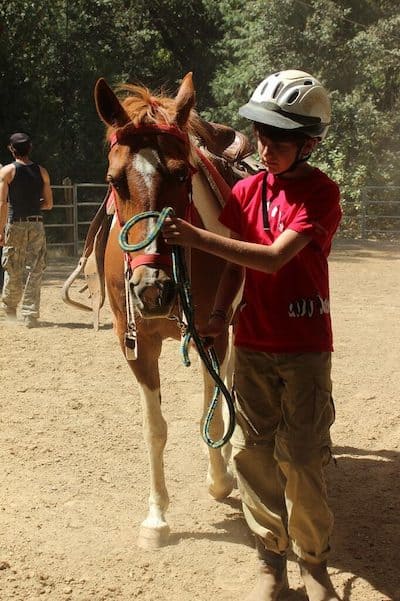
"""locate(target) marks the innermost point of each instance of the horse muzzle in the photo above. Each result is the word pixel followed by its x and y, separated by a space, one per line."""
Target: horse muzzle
pixel 154 292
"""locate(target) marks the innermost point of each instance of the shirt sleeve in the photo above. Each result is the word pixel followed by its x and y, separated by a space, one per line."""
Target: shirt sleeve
pixel 231 213
pixel 319 216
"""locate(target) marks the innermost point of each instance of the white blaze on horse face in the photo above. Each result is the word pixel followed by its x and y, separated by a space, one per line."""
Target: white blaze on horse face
pixel 145 163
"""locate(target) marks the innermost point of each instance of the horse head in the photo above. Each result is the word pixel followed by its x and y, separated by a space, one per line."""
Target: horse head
pixel 149 169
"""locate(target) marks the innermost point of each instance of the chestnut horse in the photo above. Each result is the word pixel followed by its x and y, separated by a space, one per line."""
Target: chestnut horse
pixel 152 166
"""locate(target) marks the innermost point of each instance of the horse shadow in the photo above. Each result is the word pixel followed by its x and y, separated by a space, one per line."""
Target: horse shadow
pixel 72 325
pixel 364 491
pixel 231 529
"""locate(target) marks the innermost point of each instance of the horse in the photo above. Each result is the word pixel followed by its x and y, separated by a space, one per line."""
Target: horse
pixel 153 163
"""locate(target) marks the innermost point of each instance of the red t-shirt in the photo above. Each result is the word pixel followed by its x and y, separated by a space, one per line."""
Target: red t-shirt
pixel 286 311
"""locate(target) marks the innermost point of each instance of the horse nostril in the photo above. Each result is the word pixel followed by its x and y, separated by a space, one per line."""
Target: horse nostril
pixel 159 294
pixel 166 284
pixel 150 296
pixel 169 290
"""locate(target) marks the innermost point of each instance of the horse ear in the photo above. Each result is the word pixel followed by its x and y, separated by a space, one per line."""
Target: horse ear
pixel 185 100
pixel 108 106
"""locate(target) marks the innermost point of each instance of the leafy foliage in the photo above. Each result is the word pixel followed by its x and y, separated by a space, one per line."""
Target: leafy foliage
pixel 352 47
pixel 53 51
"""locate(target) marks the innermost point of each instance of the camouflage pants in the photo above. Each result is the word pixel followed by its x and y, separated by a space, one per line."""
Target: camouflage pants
pixel 24 260
pixel 1 270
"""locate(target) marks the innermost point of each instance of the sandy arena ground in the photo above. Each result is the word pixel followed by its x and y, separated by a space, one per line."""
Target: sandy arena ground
pixel 74 467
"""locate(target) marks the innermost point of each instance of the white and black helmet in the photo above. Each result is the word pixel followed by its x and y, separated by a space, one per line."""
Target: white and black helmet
pixel 290 100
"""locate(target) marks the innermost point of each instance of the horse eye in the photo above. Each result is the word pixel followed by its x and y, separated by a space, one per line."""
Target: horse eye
pixel 115 181
pixel 181 175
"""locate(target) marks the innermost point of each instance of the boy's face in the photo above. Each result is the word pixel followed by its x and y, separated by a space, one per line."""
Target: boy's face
pixel 278 155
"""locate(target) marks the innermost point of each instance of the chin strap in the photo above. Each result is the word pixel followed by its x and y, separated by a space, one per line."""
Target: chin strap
pixel 298 160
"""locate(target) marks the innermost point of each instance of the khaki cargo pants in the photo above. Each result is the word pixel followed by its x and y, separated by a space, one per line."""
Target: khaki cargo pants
pixel 24 260
pixel 281 443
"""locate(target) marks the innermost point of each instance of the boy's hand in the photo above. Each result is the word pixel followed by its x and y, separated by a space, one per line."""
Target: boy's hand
pixel 214 328
pixel 178 231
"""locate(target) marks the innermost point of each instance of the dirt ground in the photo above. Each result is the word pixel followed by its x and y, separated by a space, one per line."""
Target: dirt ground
pixel 74 468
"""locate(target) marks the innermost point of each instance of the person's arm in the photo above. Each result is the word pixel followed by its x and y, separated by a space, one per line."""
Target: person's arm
pixel 267 259
pixel 47 202
pixel 228 288
pixel 6 176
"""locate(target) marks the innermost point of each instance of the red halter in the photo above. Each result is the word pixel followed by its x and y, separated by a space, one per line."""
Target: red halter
pixel 150 129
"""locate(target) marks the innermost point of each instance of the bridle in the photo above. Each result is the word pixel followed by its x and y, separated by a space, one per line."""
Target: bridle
pixel 148 129
pixel 155 259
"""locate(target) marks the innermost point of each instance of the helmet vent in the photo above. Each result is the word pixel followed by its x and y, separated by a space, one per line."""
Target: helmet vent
pixel 277 90
pixel 307 82
pixel 293 97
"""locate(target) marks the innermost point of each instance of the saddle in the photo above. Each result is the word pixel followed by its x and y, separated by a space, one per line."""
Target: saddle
pixel 91 264
pixel 229 150
pixel 222 157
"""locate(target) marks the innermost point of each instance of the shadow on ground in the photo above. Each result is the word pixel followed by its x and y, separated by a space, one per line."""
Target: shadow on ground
pixel 364 490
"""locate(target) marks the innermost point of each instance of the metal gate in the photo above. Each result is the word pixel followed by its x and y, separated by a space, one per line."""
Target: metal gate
pixel 74 208
pixel 375 216
pixel 380 214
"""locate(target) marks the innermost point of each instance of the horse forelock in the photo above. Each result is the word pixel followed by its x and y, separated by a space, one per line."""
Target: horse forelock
pixel 144 107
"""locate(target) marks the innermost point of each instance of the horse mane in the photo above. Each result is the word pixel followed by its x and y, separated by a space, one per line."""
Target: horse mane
pixel 146 108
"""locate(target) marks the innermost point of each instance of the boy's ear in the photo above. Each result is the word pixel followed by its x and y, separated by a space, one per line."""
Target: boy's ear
pixel 309 145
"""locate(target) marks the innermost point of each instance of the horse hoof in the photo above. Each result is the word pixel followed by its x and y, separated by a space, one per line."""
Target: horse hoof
pixel 221 490
pixel 153 538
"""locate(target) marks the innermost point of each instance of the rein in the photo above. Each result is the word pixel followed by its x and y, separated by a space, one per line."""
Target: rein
pixel 181 279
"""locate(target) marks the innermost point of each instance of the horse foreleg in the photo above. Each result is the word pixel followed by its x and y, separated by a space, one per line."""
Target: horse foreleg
pixel 220 479
pixel 154 530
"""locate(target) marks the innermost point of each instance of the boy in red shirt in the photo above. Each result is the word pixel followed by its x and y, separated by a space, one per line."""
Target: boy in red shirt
pixel 282 222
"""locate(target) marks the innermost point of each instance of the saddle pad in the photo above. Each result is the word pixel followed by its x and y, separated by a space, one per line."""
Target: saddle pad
pixel 210 192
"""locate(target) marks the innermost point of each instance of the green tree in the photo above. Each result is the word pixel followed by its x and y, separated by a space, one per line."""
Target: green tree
pixel 53 51
pixel 27 40
pixel 351 46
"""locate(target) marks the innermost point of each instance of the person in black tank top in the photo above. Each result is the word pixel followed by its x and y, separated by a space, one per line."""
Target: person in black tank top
pixel 25 192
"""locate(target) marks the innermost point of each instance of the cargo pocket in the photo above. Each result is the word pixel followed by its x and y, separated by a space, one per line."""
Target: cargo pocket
pixel 240 434
pixel 14 241
pixel 10 260
pixel 324 409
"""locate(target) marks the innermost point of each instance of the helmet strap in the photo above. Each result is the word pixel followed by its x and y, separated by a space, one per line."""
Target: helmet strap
pixel 298 160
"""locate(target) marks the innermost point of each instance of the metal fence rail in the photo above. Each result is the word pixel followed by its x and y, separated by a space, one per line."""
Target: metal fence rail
pixel 74 207
pixel 384 216
pixel 376 215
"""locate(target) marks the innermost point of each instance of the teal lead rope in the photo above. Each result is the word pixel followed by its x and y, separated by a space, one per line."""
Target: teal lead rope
pixel 123 235
pixel 208 356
